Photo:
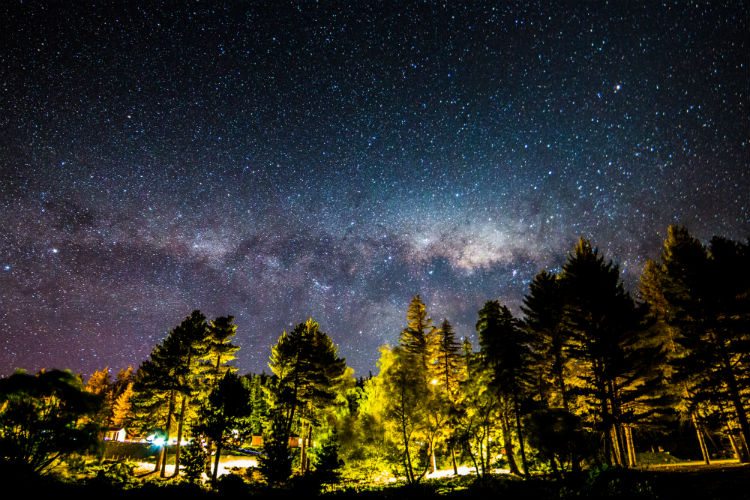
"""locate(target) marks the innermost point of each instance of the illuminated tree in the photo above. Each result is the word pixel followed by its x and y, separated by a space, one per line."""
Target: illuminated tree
pixel 219 350
pixel 450 370
pixel 171 375
pixel 702 295
pixel 98 383
pixel 309 377
pixel 503 349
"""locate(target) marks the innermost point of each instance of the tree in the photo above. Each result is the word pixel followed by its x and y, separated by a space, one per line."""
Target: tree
pixel 219 349
pixel 309 378
pixel 543 308
pixel 39 418
pixel 503 348
pixel 123 411
pixel 226 412
pixel 449 372
pixel 608 341
pixel 418 351
pixel 276 462
pixel 171 373
pixel 702 294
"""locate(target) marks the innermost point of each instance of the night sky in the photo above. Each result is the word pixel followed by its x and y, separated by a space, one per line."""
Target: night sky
pixel 279 161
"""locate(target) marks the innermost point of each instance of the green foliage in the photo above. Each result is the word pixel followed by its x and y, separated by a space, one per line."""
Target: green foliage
pixel 276 462
pixel 193 460
pixel 309 379
pixel 39 418
pixel 327 462
pixel 226 412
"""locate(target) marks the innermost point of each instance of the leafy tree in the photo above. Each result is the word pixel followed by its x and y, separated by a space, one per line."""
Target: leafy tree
pixel 39 418
pixel 227 411
pixel 397 402
pixel 478 412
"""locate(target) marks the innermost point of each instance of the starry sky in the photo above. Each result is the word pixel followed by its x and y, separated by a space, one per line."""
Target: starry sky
pixel 283 160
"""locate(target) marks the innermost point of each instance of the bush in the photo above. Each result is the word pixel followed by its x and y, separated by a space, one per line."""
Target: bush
pixel 231 485
pixel 193 459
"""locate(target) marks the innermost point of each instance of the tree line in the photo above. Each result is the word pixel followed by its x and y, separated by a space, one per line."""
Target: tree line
pixel 586 373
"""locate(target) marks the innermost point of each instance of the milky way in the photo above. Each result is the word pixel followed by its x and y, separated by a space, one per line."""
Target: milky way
pixel 300 160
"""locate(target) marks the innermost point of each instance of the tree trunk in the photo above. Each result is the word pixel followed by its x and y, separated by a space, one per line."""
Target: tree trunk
pixel 520 439
pixel 631 446
pixel 407 456
pixel 215 472
pixel 303 449
pixel 453 458
pixel 508 443
pixel 701 441
pixel 170 411
pixel 179 436
pixel 616 450
pixel 734 394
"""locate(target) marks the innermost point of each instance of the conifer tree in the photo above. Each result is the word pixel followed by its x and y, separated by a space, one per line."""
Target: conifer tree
pixel 449 373
pixel 226 410
pixel 702 293
pixel 543 309
pixel 503 349
pixel 309 375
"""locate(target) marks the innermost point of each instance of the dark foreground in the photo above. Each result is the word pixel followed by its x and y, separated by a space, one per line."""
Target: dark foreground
pixel 725 481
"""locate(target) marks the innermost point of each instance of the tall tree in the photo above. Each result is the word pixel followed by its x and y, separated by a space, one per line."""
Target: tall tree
pixel 419 349
pixel 702 293
pixel 607 341
pixel 171 376
pixel 226 411
pixel 309 376
pixel 450 371
pixel 505 352
pixel 543 309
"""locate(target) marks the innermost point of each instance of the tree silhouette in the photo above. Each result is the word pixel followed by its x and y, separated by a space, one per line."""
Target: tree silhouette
pixel 39 419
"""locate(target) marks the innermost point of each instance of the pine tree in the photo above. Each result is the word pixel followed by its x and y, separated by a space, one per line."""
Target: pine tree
pixel 170 376
pixel 98 383
pixel 543 309
pixel 309 377
pixel 505 352
pixel 123 410
pixel 219 349
pixel 703 295
pixel 449 372
pixel 227 410
pixel 609 343
pixel 418 340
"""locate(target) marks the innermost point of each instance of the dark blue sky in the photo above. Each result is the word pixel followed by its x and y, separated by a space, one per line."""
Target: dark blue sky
pixel 292 160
